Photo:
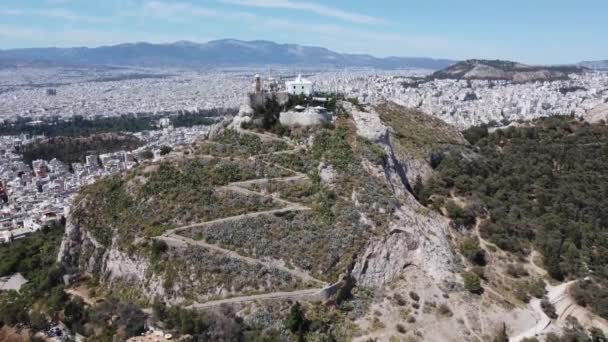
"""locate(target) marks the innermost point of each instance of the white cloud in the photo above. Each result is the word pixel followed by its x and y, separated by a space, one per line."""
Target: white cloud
pixel 58 2
pixel 9 12
pixel 171 9
pixel 39 37
pixel 54 13
pixel 179 11
pixel 319 9
pixel 67 15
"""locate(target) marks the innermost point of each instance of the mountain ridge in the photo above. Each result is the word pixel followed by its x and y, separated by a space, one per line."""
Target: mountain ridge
pixel 224 52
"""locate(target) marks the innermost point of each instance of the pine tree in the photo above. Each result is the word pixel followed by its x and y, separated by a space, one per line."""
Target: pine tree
pixel 571 264
pixel 296 321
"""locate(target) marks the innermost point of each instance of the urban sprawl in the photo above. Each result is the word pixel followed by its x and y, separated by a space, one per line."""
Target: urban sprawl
pixel 33 195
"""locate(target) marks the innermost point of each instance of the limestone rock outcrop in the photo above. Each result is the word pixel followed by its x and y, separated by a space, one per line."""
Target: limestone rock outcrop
pixel 416 237
pixel 597 114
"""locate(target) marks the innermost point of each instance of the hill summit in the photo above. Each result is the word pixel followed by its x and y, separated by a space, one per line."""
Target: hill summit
pixel 479 69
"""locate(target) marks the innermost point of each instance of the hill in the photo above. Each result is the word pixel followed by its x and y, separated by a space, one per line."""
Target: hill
pixel 475 69
pixel 595 65
pixel 227 52
pixel 385 225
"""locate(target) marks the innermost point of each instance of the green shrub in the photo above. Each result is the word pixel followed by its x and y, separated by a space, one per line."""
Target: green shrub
pixel 296 321
pixel 333 147
pixel 461 217
pixel 473 252
pixel 159 247
pixel 472 282
pixel 536 287
pixel 548 308
pixel 475 133
pixel 444 310
pixel 399 300
pixel 164 150
pixel 372 152
pixel 517 270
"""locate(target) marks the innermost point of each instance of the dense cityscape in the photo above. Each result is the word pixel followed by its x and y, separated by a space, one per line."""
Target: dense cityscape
pixel 40 192
pixel 57 92
pixel 37 194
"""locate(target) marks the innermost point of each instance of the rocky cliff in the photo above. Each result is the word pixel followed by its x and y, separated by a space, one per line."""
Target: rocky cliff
pixel 415 237
pixel 81 254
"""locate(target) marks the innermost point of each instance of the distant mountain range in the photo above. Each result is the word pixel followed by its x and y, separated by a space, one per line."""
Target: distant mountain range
pixel 595 65
pixel 227 52
pixel 476 69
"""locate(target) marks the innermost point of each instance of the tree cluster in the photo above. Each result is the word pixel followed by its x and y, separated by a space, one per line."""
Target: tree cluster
pixel 544 186
pixel 74 149
pixel 81 126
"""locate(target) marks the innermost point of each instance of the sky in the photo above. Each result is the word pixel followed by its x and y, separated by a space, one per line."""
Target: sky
pixel 529 31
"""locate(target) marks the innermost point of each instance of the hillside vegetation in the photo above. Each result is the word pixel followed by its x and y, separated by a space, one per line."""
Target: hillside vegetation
pixel 417 133
pixel 149 201
pixel 540 187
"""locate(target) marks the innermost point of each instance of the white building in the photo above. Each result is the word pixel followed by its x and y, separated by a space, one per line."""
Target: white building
pixel 164 122
pixel 300 86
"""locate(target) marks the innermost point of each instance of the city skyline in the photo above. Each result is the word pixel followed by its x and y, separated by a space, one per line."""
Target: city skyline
pixel 543 32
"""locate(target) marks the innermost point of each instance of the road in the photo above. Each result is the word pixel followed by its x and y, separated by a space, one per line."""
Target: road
pixel 555 294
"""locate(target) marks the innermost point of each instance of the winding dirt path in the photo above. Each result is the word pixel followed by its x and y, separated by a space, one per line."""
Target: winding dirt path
pixel 539 270
pixel 244 191
pixel 295 295
pixel 467 325
pixel 295 178
pixel 236 218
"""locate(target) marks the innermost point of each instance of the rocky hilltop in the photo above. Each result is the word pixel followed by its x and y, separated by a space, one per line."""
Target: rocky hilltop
pixel 350 219
pixel 475 69
pixel 190 207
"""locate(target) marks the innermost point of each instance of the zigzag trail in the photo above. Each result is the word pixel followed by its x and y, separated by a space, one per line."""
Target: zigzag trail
pixel 172 237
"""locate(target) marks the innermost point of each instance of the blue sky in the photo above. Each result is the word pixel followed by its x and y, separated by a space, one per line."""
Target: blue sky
pixel 532 31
